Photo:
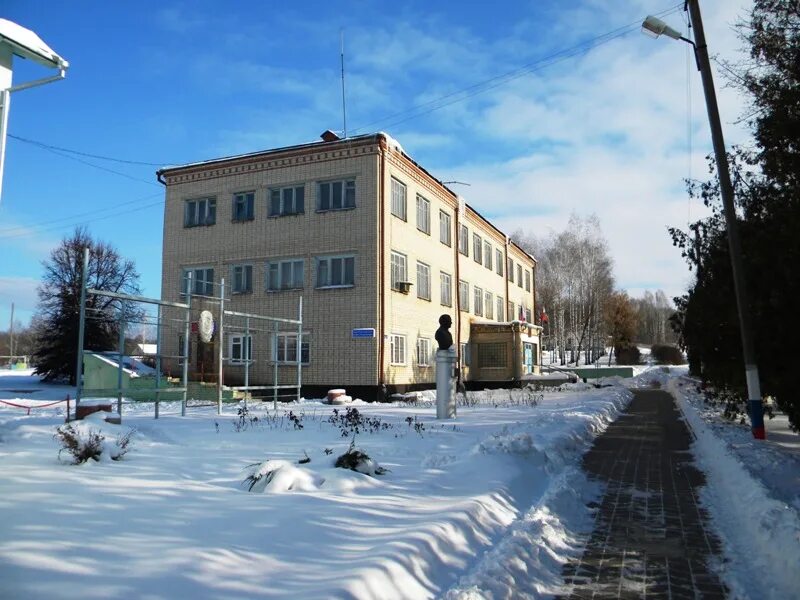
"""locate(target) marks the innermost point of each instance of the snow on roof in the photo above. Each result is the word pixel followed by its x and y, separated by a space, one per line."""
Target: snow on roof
pixel 393 143
pixel 147 349
pixel 27 44
pixel 131 366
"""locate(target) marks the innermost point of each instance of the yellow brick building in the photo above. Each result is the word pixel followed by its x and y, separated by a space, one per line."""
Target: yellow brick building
pixel 368 238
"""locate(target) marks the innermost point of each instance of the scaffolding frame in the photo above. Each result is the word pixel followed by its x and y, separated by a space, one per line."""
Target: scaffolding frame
pixel 186 307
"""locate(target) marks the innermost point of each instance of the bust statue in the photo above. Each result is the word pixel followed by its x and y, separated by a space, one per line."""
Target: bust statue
pixel 443 336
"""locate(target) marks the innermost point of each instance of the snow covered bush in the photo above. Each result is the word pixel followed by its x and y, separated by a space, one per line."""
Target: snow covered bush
pixel 82 446
pixel 84 443
pixel 359 461
pixel 280 476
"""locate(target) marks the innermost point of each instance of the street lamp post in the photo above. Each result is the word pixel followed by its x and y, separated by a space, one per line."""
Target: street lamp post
pixel 657 27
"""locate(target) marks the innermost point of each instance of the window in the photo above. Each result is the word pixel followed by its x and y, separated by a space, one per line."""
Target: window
pixel 243 206
pixel 487 255
pixel 202 211
pixel 423 281
pixel 242 276
pixel 498 261
pixel 492 355
pixel 463 240
pixel 423 352
pixel 511 270
pixel 285 275
pixel 336 271
pixel 488 305
pixel 399 269
pixel 519 275
pixel 527 315
pixel 477 248
pixel 478 301
pixel 240 348
pixel 287 201
pixel 202 281
pixel 423 215
pixel 527 281
pixel 463 295
pixel 510 314
pixel 336 195
pixel 501 305
pixel 464 355
pixel 284 349
pixel 398 199
pixel 445 228
pixel 397 349
pixel 446 288
pixel 181 348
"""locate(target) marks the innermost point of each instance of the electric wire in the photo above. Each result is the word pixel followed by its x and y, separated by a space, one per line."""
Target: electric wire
pixel 86 154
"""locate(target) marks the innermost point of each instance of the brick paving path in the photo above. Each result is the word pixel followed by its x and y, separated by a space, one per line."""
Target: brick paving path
pixel 650 538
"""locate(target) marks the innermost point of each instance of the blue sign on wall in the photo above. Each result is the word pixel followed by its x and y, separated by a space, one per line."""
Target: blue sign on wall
pixel 364 332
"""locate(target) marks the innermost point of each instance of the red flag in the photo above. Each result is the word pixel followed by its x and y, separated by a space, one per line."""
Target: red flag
pixel 543 319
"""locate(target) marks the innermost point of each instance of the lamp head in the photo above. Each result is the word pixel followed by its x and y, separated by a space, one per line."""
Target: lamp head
pixel 653 26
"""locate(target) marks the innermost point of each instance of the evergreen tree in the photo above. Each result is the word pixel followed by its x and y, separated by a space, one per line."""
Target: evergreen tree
pixel 766 182
pixel 57 319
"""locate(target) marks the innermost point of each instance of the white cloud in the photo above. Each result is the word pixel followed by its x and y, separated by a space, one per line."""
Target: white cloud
pixel 19 290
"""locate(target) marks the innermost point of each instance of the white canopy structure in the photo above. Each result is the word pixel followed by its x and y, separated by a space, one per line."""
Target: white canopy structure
pixel 17 41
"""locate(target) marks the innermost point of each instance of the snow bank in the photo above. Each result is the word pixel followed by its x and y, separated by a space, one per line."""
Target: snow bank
pixel 760 534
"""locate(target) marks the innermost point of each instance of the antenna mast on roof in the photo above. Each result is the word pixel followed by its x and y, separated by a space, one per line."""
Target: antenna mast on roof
pixel 344 106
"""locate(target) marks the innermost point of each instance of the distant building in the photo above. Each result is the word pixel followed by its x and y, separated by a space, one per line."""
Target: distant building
pixel 370 240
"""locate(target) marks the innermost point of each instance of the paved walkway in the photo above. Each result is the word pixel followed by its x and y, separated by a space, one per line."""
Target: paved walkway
pixel 650 538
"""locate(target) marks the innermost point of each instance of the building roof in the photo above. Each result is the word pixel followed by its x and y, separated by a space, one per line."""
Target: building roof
pixel 320 144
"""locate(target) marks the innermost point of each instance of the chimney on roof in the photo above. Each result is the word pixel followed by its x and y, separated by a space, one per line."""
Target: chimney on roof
pixel 329 136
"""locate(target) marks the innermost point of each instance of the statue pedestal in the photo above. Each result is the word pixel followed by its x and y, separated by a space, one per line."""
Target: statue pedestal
pixel 445 387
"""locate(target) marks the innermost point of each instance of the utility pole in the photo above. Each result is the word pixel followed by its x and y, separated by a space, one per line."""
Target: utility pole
pixel 11 332
pixel 755 405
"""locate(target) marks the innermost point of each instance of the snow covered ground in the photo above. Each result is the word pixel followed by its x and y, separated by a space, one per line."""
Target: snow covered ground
pixel 173 519
pixel 752 494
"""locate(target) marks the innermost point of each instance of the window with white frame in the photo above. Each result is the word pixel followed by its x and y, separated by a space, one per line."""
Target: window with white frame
pixel 336 195
pixel 242 276
pixel 519 275
pixel 463 240
pixel 464 354
pixel 397 349
pixel 477 248
pixel 488 305
pixel 511 270
pixel 527 281
pixel 399 263
pixel 240 348
pixel 527 315
pixel 201 211
pixel 423 281
pixel 287 201
pixel 463 295
pixel 498 261
pixel 487 255
pixel 336 271
pixel 445 228
pixel 399 199
pixel 501 306
pixel 423 215
pixel 510 313
pixel 423 352
pixel 285 274
pixel 478 301
pixel 202 281
pixel 243 206
pixel 284 348
pixel 446 289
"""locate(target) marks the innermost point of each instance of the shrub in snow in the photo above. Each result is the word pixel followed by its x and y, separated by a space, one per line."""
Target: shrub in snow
pixel 628 355
pixel 82 446
pixel 243 419
pixel 280 476
pixel 352 422
pixel 358 460
pixel 665 354
pixel 84 443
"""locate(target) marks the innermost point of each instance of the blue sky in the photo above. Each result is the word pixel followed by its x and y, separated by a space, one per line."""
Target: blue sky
pixel 604 131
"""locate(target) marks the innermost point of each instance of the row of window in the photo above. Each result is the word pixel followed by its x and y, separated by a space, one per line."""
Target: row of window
pixel 286 274
pixel 483 302
pixel 482 250
pixel 280 201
